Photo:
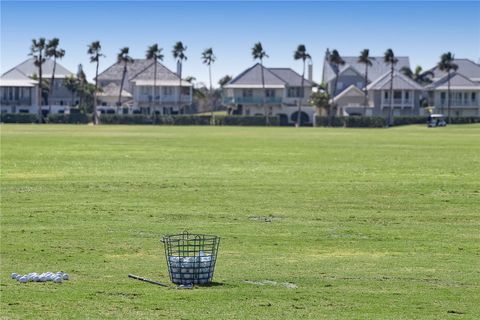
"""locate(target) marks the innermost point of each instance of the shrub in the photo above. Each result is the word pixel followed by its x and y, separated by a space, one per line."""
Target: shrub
pixel 330 121
pixel 462 120
pixel 77 118
pixel 364 122
pixel 125 119
pixel 191 120
pixel 18 118
pixel 405 120
pixel 246 120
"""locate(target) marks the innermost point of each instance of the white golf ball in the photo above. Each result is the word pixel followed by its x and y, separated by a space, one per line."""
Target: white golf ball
pixel 36 278
pixel 57 280
pixel 65 276
pixel 23 279
pixel 42 279
pixel 14 275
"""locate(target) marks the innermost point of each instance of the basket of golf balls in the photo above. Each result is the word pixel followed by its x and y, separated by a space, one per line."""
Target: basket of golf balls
pixel 191 257
pixel 56 277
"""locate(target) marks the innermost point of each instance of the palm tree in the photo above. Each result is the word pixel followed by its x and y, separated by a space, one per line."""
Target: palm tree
pixel 155 54
pixel 301 54
pixel 208 58
pixel 365 58
pixel 389 58
pixel 446 64
pixel 52 51
pixel 419 76
pixel 94 51
pixel 224 80
pixel 124 58
pixel 178 52
pixel 37 51
pixel 336 60
pixel 71 83
pixel 259 53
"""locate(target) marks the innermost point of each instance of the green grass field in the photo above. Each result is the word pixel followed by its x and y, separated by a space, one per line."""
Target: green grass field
pixel 368 223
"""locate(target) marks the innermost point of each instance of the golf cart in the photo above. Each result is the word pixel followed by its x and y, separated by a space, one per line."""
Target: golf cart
pixel 436 120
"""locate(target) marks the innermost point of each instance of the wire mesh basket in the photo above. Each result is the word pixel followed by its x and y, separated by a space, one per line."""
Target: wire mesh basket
pixel 191 257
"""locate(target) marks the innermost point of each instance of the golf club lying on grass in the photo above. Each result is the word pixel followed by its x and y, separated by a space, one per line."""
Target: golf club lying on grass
pixel 146 280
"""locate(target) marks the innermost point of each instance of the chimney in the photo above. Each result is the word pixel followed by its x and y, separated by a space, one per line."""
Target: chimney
pixel 179 69
pixel 310 72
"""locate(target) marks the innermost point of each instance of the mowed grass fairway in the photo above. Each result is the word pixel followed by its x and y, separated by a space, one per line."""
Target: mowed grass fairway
pixel 368 223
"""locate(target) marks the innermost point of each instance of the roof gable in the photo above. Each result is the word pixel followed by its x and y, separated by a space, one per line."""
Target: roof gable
pixel 466 67
pixel 253 77
pixel 457 81
pixel 139 69
pixel 400 82
pixel 376 70
pixel 27 69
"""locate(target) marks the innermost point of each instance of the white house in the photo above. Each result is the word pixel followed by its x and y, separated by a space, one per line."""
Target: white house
pixel 464 88
pixel 244 94
pixel 19 92
pixel 139 95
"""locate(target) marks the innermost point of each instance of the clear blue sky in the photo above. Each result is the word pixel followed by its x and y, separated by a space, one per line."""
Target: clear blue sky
pixel 421 30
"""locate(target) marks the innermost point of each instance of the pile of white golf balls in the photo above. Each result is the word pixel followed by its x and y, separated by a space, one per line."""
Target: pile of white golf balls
pixel 57 277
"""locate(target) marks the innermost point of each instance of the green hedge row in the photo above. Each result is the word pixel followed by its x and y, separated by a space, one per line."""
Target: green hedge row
pixel 405 120
pixel 352 122
pixel 461 120
pixel 187 120
pixel 18 118
pixel 76 118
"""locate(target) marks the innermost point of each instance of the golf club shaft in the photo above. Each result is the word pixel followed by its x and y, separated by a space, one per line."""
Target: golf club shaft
pixel 146 280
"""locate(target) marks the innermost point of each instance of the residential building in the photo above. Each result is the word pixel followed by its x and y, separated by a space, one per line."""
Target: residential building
pixel 244 94
pixel 464 88
pixel 19 90
pixel 170 95
pixel 349 94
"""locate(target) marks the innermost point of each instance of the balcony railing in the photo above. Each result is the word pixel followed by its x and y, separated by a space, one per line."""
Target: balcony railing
pixel 398 102
pixel 18 102
pixel 252 100
pixel 460 103
pixel 164 99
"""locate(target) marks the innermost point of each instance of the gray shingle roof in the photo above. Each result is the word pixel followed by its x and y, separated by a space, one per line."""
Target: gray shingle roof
pixel 376 70
pixel 28 69
pixel 466 67
pixel 292 78
pixel 112 89
pixel 140 69
pixel 277 77
pixel 457 81
pixel 400 82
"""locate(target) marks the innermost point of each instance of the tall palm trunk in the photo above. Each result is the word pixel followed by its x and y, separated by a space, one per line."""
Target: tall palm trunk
pixel 212 115
pixel 264 94
pixel 390 113
pixel 95 114
pixel 180 90
pixel 330 115
pixel 50 92
pixel 449 100
pixel 121 84
pixel 365 90
pixel 39 94
pixel 299 116
pixel 155 82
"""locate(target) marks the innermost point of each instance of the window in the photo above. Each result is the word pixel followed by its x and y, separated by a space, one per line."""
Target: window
pixel 339 86
pixel 385 95
pixel 144 90
pixel 294 92
pixel 270 93
pixel 167 91
pixel 247 93
pixel 473 97
pixel 407 95
pixel 186 91
pixel 397 94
